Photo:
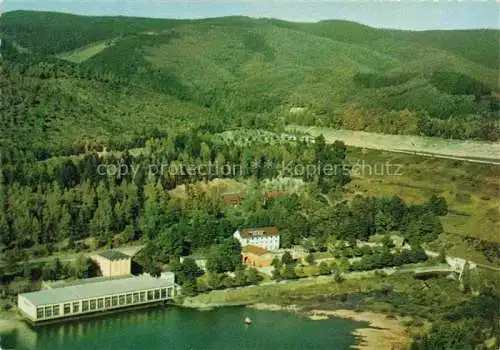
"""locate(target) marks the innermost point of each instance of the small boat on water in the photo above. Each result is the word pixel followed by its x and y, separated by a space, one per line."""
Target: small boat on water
pixel 248 321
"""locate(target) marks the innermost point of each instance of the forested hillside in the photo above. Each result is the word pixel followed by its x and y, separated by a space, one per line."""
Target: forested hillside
pixel 136 77
pixel 53 107
pixel 118 131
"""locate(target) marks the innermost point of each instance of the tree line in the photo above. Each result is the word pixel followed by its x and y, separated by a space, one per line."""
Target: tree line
pixel 53 205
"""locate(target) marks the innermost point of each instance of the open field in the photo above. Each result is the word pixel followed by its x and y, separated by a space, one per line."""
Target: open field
pixel 474 151
pixel 272 292
pixel 471 190
pixel 216 187
pixel 84 53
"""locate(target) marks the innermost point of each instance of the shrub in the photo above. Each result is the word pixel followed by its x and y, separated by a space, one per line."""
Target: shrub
pixel 462 197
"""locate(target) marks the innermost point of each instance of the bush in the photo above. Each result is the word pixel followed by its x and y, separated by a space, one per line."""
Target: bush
pixel 289 272
pixel 463 197
pixel 380 274
pixel 40 251
pixel 310 259
pixel 386 290
pixel 324 269
pixel 7 306
pixel 338 276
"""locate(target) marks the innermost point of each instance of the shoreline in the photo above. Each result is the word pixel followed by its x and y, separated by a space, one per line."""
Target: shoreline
pixel 10 321
pixel 381 332
pixel 193 304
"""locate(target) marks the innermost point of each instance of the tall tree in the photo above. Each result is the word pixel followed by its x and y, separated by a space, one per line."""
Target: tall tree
pixel 287 258
pixel 466 278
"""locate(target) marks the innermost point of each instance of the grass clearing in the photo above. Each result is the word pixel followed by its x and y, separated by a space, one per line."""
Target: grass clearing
pixel 84 53
pixel 303 290
pixel 216 187
pixel 278 292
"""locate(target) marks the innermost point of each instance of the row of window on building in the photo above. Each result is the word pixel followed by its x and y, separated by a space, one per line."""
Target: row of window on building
pixel 103 303
pixel 264 239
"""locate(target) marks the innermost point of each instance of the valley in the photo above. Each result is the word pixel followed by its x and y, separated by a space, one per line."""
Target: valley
pixel 108 125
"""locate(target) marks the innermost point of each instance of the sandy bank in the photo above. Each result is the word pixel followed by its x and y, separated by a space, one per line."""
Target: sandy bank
pixel 274 307
pixel 382 332
pixel 195 304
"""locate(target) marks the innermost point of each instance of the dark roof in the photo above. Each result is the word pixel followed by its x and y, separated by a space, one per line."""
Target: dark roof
pixel 114 255
pixel 259 231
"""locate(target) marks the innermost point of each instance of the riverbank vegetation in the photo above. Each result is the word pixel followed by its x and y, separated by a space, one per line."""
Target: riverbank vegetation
pixel 418 303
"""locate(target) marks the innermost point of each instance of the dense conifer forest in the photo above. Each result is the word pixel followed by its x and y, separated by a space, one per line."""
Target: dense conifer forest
pixel 108 124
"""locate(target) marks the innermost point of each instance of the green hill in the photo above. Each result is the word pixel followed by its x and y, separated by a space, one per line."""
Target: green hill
pixel 54 107
pixel 130 78
pixel 50 33
pixel 479 46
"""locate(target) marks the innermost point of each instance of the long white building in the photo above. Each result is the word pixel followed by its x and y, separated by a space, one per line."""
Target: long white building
pixel 264 237
pixel 97 295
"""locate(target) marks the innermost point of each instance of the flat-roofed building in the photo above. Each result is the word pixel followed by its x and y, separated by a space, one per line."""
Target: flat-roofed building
pixel 255 256
pixel 113 263
pixel 264 237
pixel 88 296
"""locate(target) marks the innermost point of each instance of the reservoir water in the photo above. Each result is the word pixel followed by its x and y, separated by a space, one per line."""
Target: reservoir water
pixel 176 328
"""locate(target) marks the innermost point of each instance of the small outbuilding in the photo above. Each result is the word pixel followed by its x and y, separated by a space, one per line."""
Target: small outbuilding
pixel 113 263
pixel 255 256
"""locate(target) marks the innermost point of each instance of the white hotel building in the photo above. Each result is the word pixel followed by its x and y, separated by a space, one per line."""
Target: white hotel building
pixel 264 237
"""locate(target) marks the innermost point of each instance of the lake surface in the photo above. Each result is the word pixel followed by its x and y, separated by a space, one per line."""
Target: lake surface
pixel 176 328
